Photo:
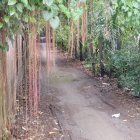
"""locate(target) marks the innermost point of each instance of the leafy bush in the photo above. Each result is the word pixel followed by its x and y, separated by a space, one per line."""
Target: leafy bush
pixel 127 67
pixel 62 37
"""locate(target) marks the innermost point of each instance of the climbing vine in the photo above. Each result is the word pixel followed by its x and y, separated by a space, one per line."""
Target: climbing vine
pixel 21 22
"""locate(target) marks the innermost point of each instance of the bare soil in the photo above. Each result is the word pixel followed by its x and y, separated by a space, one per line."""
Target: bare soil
pixel 77 106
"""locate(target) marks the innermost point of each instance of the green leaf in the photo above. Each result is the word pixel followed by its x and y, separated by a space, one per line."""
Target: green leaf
pixel 33 20
pixel 83 1
pixel 25 2
pixel 29 7
pixel 12 2
pixel 26 18
pixel 1 46
pixel 19 7
pixel 6 19
pixel 12 11
pixel 64 10
pixel 16 15
pixel 48 2
pixel 54 22
pixel 77 13
pixel 4 46
pixel 1 25
pixel 122 29
pixel 129 14
pixel 54 9
pixel 135 4
pixel 60 1
pixel 136 12
pixel 47 15
pixel 123 1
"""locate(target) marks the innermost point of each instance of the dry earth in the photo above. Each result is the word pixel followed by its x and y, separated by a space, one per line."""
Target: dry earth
pixel 76 106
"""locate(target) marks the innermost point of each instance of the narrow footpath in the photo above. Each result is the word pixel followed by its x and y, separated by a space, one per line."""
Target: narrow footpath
pixel 71 109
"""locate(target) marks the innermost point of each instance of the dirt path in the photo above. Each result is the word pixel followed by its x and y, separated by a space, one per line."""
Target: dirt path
pixel 78 111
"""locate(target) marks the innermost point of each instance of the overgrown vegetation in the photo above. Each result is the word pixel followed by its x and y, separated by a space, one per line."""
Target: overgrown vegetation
pixel 20 24
pixel 103 33
pixel 107 38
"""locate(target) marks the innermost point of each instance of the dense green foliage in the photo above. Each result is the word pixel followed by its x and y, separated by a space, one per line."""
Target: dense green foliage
pixel 62 37
pixel 113 31
pixel 127 67
pixel 20 24
pixel 18 16
pixel 118 22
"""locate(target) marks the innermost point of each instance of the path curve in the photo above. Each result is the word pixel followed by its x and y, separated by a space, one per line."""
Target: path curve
pixel 80 112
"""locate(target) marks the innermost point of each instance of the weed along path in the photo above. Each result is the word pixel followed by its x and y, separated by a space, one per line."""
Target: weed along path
pixel 76 110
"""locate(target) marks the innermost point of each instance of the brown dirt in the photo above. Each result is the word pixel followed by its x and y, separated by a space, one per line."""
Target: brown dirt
pixel 76 106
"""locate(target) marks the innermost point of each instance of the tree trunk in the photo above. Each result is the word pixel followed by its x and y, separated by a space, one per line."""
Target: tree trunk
pixel 101 47
pixel 81 51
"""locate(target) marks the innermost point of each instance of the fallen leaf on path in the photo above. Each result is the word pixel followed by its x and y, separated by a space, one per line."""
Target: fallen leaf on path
pixel 55 122
pixel 131 116
pixel 55 129
pixel 24 128
pixel 40 113
pixel 50 133
pixel 116 115
pixel 87 87
pixel 106 84
pixel 61 137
